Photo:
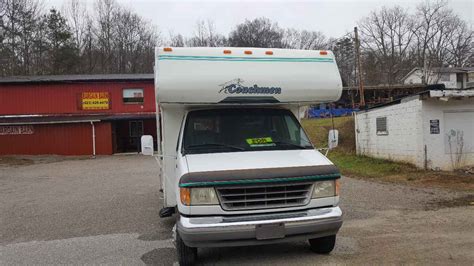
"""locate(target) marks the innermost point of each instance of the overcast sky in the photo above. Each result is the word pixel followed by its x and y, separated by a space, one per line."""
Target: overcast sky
pixel 333 17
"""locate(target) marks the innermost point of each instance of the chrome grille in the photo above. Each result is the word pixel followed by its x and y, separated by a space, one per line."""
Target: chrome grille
pixel 264 196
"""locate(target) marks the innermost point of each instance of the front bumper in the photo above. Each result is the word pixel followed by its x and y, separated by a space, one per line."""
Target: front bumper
pixel 218 231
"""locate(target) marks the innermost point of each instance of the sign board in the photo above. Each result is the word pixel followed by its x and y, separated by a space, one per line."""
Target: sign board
pixel 434 126
pixel 95 101
pixel 16 130
pixel 132 95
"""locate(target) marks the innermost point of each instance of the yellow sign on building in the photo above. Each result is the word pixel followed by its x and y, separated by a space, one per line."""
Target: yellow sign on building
pixel 95 101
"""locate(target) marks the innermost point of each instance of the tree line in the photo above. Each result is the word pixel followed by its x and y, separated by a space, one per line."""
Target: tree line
pixel 114 39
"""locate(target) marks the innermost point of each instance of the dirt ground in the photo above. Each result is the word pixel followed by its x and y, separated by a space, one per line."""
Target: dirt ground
pixel 105 210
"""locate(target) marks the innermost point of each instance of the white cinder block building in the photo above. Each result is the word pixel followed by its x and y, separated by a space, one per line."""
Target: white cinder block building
pixel 432 130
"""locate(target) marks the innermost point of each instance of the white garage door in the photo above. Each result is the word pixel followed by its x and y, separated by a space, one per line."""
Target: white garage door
pixel 459 132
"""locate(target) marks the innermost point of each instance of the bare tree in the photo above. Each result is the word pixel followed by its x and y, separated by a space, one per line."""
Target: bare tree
pixel 78 19
pixel 176 40
pixel 134 43
pixel 19 24
pixel 260 32
pixel 388 35
pixel 306 40
pixel 4 55
pixel 114 39
pixel 433 31
pixel 104 31
pixel 459 44
pixel 89 58
pixel 205 35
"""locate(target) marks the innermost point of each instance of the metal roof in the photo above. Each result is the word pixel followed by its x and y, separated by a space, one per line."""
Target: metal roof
pixel 388 87
pixel 66 119
pixel 77 78
pixel 432 92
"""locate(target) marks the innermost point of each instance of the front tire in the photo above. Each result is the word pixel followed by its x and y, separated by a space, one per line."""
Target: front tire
pixel 323 245
pixel 187 256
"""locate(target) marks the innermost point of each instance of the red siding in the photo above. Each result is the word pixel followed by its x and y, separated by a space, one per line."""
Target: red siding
pixel 61 139
pixel 63 98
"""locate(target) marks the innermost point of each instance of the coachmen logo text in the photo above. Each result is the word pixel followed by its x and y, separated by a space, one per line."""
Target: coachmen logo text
pixel 236 87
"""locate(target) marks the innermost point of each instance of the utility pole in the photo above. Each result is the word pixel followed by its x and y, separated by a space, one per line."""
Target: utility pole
pixel 361 84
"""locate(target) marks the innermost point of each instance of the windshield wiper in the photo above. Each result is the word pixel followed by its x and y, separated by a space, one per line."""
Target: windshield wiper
pixel 208 145
pixel 292 144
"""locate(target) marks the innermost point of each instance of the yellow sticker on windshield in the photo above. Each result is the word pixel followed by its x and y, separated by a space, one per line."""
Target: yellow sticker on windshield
pixel 256 142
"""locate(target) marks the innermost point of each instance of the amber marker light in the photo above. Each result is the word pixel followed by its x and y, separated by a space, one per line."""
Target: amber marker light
pixel 269 52
pixel 167 49
pixel 185 195
pixel 323 52
pixel 227 51
pixel 247 52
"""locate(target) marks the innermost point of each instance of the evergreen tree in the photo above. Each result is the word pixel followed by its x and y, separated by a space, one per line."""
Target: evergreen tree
pixel 63 53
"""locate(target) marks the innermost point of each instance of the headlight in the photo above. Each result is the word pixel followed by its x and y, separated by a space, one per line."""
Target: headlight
pixel 323 189
pixel 198 196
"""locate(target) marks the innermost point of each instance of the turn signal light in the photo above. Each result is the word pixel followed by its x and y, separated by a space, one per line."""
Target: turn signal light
pixel 323 52
pixel 338 187
pixel 247 52
pixel 167 49
pixel 185 195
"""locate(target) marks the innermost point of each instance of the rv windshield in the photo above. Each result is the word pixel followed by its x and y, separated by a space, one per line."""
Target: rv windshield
pixel 244 129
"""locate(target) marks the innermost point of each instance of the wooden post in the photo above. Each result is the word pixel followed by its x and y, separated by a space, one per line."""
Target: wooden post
pixel 359 68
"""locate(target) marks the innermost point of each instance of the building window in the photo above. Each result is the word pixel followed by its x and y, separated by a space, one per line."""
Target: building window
pixel 136 129
pixel 381 125
pixel 470 77
pixel 133 96
pixel 445 77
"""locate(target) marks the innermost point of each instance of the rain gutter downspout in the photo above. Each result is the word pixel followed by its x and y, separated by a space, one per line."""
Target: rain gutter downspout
pixel 93 139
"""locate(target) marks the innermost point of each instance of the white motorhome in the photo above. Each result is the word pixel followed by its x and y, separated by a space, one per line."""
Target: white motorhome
pixel 236 165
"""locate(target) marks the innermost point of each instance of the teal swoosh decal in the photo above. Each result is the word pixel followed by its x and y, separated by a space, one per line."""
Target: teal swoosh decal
pixel 240 59
pixel 260 181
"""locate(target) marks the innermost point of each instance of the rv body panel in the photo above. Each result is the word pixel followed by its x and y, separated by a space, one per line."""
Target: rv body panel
pixel 171 118
pixel 206 76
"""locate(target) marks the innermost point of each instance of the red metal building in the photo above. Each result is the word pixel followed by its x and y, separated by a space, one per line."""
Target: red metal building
pixel 76 114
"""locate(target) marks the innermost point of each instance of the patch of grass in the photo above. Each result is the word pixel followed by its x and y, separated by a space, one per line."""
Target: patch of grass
pixel 365 167
pixel 318 130
pixel 351 164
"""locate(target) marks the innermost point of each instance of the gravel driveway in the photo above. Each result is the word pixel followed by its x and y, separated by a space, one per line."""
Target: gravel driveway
pixel 105 210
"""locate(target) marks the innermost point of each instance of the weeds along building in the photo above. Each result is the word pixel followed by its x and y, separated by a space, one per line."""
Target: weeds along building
pixel 433 130
pixel 76 114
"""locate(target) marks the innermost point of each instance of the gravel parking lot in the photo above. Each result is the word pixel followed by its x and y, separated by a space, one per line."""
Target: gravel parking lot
pixel 105 210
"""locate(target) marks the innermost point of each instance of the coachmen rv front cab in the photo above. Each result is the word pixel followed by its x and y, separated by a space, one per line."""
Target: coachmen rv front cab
pixel 237 168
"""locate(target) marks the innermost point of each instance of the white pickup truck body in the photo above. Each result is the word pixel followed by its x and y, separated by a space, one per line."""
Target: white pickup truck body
pixel 236 164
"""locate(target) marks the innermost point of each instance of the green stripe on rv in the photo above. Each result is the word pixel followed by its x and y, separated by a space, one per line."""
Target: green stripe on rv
pixel 245 59
pixel 260 181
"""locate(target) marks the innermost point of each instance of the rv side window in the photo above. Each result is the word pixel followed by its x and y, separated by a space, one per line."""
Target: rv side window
pixel 244 129
pixel 179 135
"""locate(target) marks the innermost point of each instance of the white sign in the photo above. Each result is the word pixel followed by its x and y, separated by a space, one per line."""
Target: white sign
pixel 147 145
pixel 16 130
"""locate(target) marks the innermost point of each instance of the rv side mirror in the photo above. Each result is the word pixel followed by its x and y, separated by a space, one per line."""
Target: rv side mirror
pixel 333 138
